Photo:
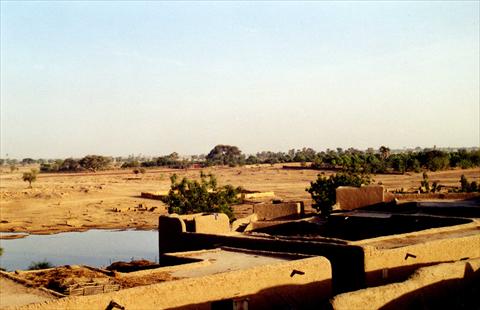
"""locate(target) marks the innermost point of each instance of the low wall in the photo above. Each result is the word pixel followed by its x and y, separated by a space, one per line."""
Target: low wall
pixel 397 263
pixel 218 223
pixel 304 283
pixel 271 211
pixel 170 228
pixel 350 198
pixel 443 286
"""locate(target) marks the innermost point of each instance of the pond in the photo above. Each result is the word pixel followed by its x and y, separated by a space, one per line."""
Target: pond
pixel 95 247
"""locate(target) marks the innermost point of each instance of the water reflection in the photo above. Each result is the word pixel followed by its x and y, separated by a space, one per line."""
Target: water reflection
pixel 94 247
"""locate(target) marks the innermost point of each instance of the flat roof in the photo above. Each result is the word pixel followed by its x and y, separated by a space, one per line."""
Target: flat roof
pixel 223 260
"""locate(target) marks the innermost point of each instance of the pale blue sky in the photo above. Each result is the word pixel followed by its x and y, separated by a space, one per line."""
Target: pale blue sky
pixel 116 78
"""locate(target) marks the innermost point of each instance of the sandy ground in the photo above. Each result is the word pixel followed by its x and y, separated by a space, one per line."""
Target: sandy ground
pixel 14 294
pixel 73 202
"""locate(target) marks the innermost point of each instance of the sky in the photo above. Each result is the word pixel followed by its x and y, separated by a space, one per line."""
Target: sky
pixel 119 78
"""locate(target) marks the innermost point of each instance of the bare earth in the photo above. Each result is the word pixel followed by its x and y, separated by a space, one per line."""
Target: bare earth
pixel 73 202
pixel 14 294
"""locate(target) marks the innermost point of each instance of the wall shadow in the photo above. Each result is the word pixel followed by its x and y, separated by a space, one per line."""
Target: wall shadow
pixel 462 293
pixel 304 296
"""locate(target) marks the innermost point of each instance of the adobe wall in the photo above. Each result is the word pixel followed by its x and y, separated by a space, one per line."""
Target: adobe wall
pixel 393 264
pixel 218 223
pixel 271 211
pixel 350 198
pixel 347 260
pixel 170 228
pixel 436 287
pixel 304 283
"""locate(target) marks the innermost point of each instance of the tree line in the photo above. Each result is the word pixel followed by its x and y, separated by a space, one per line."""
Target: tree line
pixel 373 161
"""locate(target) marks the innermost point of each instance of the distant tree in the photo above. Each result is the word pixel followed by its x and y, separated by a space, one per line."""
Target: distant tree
pixel 30 177
pixel 95 162
pixel 323 189
pixel 131 164
pixel 2 161
pixel 28 161
pixel 252 160
pixel 225 155
pixel 69 164
pixel 466 186
pixel 384 152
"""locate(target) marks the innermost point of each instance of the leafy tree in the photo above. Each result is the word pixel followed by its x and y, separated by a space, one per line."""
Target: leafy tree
pixel 70 164
pixel 252 160
pixel 95 162
pixel 30 177
pixel 192 196
pixel 323 189
pixel 225 155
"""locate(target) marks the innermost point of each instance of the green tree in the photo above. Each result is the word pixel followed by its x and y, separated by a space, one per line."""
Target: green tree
pixel 95 162
pixel 225 155
pixel 70 164
pixel 30 177
pixel 192 196
pixel 323 189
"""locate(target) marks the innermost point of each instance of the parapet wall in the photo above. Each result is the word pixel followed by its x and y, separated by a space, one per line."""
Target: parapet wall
pixel 270 211
pixel 435 287
pixel 170 228
pixel 384 265
pixel 304 283
pixel 350 198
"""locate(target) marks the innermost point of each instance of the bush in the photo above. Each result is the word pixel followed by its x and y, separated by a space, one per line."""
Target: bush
pixel 30 177
pixel 192 196
pixel 466 186
pixel 40 265
pixel 323 189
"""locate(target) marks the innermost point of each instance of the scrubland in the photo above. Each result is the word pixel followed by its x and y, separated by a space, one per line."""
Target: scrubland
pixel 110 199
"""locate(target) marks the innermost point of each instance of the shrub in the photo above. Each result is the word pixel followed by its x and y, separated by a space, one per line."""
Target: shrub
pixel 30 177
pixel 466 186
pixel 192 196
pixel 323 189
pixel 40 265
